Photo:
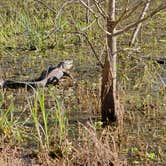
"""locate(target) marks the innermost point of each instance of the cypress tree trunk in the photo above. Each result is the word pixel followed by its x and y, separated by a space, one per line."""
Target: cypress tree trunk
pixel 108 89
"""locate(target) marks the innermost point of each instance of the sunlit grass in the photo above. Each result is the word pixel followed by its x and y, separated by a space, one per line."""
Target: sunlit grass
pixel 32 37
pixel 11 127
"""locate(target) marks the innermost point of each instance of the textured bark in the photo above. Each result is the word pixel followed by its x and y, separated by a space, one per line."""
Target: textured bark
pixel 108 89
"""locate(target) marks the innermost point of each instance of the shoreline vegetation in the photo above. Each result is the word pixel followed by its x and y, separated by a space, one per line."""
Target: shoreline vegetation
pixel 61 125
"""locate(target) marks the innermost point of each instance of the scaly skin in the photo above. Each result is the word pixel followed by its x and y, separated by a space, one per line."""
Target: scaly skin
pixel 51 76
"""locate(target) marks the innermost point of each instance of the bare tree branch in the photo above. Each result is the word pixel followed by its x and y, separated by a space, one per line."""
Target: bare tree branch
pixel 132 25
pixel 96 17
pixel 58 13
pixel 88 26
pixel 88 7
pixel 90 44
pixel 100 9
pixel 134 36
pixel 128 27
pixel 127 13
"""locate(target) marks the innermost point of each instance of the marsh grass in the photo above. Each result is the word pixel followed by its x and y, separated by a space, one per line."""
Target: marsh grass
pixel 11 126
pixel 130 144
pixel 49 124
pixel 36 126
pixel 95 148
pixel 34 33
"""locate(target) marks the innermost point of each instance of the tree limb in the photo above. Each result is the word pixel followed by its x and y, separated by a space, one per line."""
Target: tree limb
pixel 100 9
pixel 90 44
pixel 135 33
pixel 88 7
pixel 128 27
pixel 127 13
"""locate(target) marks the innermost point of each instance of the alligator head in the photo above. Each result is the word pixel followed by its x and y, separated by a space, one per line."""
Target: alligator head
pixel 66 64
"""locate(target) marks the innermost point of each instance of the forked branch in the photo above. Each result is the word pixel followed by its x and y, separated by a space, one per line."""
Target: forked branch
pixel 128 27
pixel 128 12
pixel 132 25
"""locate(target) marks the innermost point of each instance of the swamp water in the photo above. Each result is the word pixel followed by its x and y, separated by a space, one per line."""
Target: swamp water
pixel 79 102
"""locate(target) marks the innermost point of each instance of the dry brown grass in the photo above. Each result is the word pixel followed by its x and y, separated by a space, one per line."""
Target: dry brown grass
pixel 92 147
pixel 95 148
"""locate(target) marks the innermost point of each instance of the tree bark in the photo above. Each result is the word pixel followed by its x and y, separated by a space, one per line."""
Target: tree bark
pixel 108 89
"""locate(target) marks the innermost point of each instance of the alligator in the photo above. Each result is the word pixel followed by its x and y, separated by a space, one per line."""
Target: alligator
pixel 50 76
